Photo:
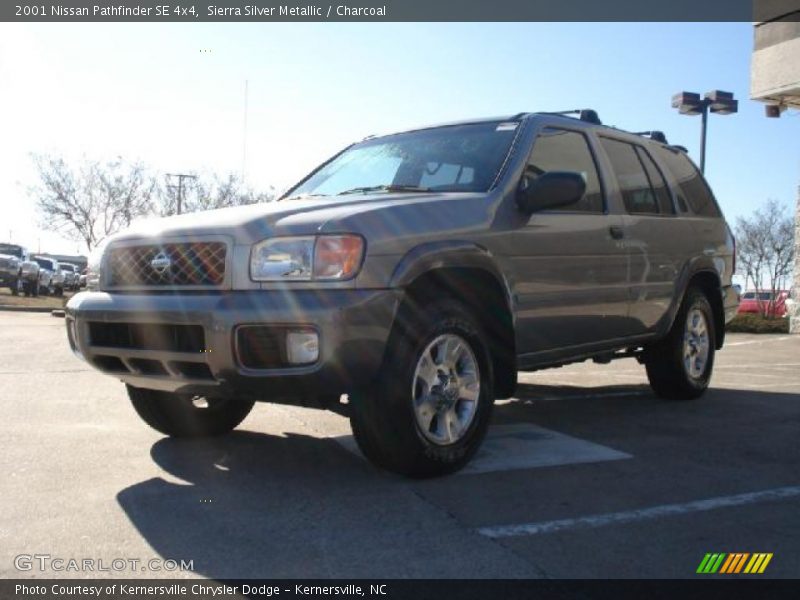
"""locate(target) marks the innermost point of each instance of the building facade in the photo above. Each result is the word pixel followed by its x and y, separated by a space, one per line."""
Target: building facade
pixel 775 80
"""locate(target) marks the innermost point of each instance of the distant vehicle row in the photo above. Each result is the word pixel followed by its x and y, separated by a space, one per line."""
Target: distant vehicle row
pixel 33 275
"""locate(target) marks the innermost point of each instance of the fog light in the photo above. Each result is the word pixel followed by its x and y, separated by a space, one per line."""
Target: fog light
pixel 302 347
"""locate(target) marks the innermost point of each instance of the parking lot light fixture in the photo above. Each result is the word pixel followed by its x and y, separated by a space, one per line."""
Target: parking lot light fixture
pixel 716 101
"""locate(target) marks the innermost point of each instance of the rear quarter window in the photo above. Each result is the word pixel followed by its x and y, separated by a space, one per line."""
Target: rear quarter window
pixel 692 187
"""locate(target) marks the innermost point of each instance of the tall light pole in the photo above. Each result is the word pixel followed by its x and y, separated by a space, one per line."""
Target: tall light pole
pixel 689 103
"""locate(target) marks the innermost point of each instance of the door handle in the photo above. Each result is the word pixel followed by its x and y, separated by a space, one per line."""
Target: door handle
pixel 616 232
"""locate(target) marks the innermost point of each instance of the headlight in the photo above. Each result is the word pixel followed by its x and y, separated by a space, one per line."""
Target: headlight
pixel 324 257
pixel 93 267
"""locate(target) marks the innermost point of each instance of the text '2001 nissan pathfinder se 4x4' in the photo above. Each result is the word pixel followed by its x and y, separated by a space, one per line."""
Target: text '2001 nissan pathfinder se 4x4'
pixel 418 273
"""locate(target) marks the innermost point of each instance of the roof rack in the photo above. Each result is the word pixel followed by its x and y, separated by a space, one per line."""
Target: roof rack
pixel 584 114
pixel 656 136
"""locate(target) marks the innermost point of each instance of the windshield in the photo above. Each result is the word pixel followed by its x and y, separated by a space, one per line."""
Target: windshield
pixel 761 296
pixel 458 158
pixel 44 263
pixel 10 249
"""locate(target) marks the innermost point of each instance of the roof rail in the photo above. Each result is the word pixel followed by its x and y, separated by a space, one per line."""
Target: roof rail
pixel 584 114
pixel 656 136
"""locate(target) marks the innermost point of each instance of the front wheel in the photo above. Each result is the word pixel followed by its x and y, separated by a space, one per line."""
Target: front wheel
pixel 429 408
pixel 679 367
pixel 179 415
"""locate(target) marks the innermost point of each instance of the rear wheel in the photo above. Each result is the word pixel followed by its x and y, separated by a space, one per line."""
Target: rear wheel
pixel 429 408
pixel 679 367
pixel 179 415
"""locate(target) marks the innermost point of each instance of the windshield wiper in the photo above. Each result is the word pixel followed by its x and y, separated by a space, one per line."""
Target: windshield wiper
pixel 385 188
pixel 303 196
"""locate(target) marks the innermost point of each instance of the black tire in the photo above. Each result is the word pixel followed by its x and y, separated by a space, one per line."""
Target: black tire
pixel 667 370
pixel 382 416
pixel 177 416
pixel 34 289
pixel 14 287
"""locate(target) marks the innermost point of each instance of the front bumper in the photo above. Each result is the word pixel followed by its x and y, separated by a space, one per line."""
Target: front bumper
pixel 353 327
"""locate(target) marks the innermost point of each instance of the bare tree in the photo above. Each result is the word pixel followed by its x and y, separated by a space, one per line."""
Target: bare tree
pixel 765 251
pixel 93 200
pixel 209 192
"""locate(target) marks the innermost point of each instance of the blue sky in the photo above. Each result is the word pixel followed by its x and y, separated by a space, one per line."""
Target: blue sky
pixel 147 92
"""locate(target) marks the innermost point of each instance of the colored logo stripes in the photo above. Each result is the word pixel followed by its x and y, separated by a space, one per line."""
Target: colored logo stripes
pixel 735 562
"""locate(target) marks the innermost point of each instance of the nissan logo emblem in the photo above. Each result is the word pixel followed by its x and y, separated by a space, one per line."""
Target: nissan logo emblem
pixel 160 263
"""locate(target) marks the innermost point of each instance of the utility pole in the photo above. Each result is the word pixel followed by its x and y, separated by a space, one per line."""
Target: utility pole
pixel 181 177
pixel 244 134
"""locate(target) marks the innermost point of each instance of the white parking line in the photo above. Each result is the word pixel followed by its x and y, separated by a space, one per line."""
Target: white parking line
pixel 780 339
pixel 643 514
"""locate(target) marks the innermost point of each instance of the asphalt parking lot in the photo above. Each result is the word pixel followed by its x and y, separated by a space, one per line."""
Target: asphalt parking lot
pixel 585 474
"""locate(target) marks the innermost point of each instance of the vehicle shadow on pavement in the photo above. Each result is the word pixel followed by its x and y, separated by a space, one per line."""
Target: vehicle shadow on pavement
pixel 248 501
pixel 250 505
pixel 292 505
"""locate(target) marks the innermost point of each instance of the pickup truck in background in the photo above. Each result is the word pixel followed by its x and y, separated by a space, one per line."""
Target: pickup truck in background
pixel 51 278
pixel 71 276
pixel 18 271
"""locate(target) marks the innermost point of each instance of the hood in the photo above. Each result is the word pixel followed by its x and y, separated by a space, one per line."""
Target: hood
pixel 252 223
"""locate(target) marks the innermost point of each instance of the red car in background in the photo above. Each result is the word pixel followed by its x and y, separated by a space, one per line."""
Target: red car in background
pixel 762 302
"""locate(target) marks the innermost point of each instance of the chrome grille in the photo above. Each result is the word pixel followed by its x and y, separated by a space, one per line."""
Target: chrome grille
pixel 180 264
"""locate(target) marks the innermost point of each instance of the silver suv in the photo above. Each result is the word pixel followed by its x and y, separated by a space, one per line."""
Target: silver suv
pixel 418 273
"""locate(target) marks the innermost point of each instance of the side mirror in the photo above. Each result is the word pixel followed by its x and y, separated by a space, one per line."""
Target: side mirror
pixel 551 190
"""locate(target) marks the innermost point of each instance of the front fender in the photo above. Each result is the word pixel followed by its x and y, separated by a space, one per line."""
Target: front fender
pixel 447 254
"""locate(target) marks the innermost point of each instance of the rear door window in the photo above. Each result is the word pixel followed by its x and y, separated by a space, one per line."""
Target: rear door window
pixel 637 191
pixel 692 187
pixel 657 182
